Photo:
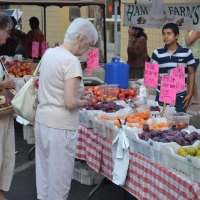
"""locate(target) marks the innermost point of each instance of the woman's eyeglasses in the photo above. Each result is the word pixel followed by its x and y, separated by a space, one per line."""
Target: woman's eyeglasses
pixel 88 41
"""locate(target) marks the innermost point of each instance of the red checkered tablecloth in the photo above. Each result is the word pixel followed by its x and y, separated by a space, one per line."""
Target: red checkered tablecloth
pixel 145 180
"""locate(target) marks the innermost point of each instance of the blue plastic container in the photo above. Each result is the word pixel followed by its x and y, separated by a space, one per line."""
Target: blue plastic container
pixel 117 72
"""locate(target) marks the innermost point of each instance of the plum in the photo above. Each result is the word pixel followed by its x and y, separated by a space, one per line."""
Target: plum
pixel 186 143
pixel 157 139
pixel 145 127
pixel 184 133
pixel 194 134
pixel 180 141
pixel 189 137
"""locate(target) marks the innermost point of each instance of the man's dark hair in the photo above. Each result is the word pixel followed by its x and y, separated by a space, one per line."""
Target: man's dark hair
pixel 34 20
pixel 171 26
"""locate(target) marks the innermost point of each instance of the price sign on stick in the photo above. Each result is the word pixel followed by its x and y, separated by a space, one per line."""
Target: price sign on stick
pixel 168 90
pixel 35 49
pixel 179 75
pixel 93 59
pixel 45 46
pixel 151 74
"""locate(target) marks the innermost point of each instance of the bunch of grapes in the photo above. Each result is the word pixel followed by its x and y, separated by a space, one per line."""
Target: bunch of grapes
pixel 108 106
pixel 169 135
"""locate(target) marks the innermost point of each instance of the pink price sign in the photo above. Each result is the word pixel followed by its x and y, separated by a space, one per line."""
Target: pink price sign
pixel 151 74
pixel 35 49
pixel 168 90
pixel 45 46
pixel 93 59
pixel 179 75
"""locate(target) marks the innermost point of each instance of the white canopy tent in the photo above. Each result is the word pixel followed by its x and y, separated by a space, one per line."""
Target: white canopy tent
pixel 62 3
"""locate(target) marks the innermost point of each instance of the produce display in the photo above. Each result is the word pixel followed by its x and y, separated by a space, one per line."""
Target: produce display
pixel 191 150
pixel 18 68
pixel 108 106
pixel 164 139
pixel 165 136
pixel 178 121
pixel 132 120
pixel 110 93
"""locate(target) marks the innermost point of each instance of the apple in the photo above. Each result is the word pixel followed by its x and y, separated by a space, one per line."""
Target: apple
pixel 127 93
pixel 94 100
pixel 121 90
pixel 122 98
pixel 121 94
pixel 132 92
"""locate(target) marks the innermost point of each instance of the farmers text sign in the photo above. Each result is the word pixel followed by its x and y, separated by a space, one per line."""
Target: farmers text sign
pixel 186 16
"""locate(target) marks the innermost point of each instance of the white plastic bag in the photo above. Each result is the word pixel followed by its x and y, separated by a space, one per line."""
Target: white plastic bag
pixel 120 151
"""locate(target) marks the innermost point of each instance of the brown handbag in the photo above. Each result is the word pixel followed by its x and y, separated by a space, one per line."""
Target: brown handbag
pixel 6 107
pixel 6 95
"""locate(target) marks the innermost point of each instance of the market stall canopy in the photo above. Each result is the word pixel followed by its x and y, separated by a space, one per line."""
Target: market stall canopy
pixel 53 2
pixel 62 3
pixel 16 13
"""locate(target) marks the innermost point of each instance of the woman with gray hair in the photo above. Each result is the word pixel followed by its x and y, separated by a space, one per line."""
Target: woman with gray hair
pixel 7 138
pixel 60 95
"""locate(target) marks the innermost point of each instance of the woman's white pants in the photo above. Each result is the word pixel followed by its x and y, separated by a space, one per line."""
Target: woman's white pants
pixel 55 155
pixel 7 151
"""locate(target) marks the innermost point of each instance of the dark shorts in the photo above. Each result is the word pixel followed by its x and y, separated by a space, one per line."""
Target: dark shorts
pixel 196 64
pixel 179 99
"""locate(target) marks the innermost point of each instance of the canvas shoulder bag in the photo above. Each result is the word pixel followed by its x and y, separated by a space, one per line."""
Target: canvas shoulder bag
pixel 25 101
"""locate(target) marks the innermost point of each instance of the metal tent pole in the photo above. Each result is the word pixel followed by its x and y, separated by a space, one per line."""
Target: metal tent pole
pixel 116 4
pixel 104 31
pixel 45 31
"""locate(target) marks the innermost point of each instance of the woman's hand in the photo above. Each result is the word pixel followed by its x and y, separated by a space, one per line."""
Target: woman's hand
pixel 186 101
pixel 87 95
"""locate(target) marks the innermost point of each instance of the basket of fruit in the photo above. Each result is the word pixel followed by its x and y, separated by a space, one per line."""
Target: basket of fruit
pixel 109 92
pixel 178 121
pixel 19 68
pixel 184 160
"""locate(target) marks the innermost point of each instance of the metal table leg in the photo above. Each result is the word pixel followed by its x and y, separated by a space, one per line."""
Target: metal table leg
pixel 30 152
pixel 94 190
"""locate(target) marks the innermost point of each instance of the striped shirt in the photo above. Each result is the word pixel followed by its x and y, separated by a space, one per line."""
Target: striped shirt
pixel 167 61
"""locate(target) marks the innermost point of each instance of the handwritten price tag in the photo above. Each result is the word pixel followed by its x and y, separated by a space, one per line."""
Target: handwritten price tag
pixel 45 46
pixel 35 49
pixel 179 75
pixel 93 59
pixel 168 90
pixel 151 74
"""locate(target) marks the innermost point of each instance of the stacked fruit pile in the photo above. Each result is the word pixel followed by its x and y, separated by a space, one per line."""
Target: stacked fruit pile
pixel 165 136
pixel 108 106
pixel 101 93
pixel 18 69
pixel 132 120
pixel 192 151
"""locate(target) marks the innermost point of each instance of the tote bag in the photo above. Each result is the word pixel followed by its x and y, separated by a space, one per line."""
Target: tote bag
pixel 25 101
